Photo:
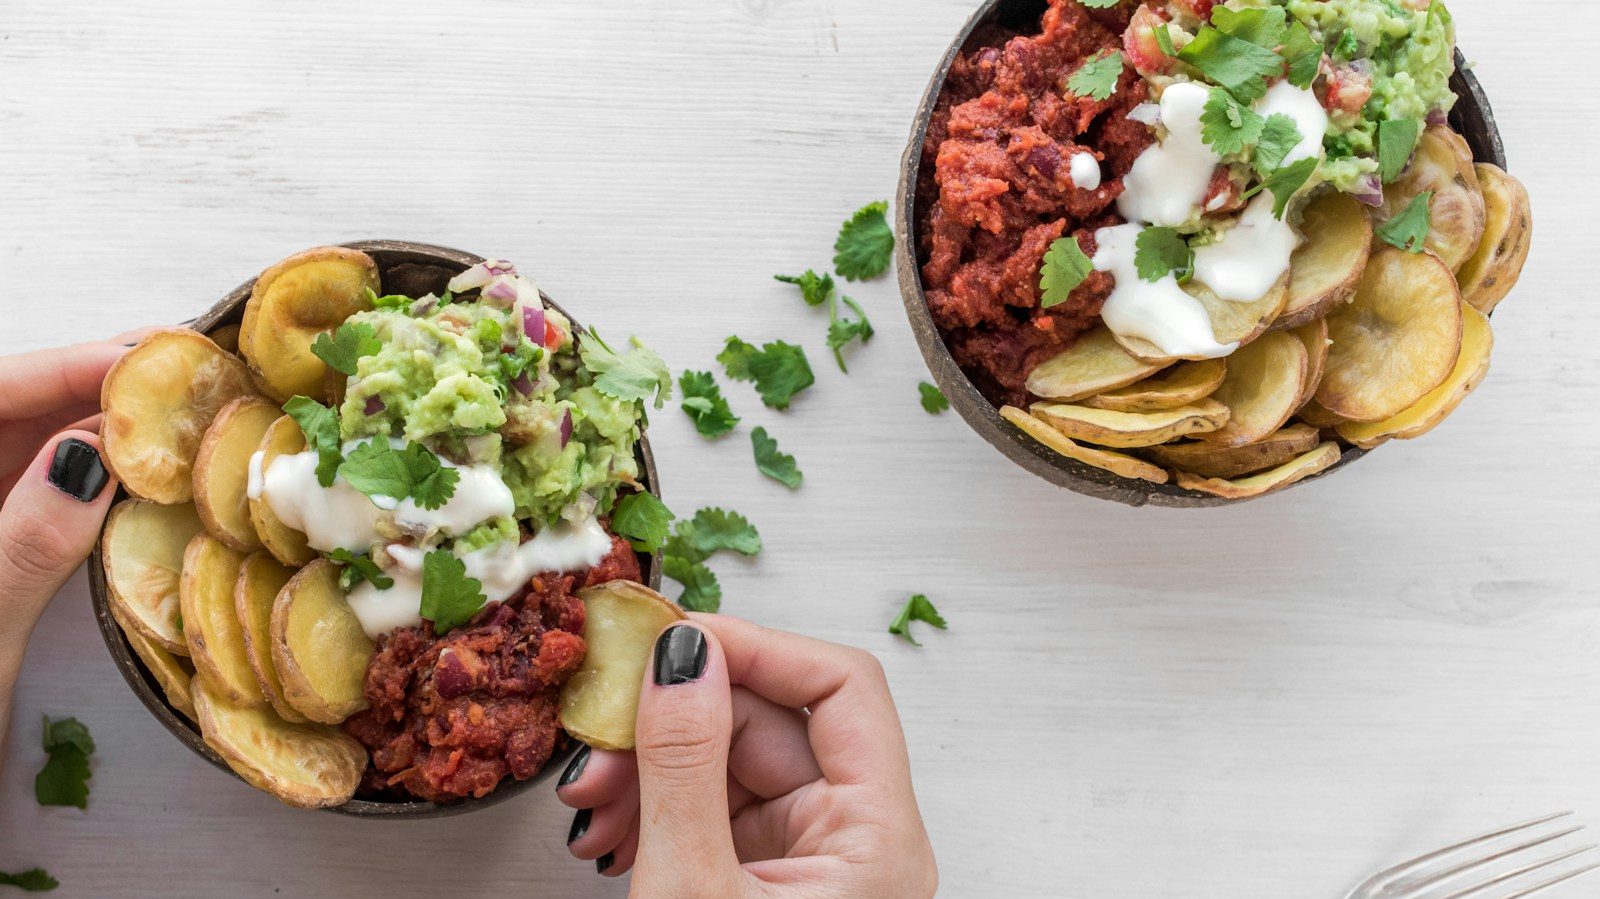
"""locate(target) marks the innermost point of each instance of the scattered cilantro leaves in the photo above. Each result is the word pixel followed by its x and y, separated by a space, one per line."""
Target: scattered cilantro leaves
pixel 1409 229
pixel 33 880
pixel 865 244
pixel 704 404
pixel 1262 26
pixel 64 779
pixel 320 425
pixel 1164 40
pixel 1279 137
pixel 814 288
pixel 842 331
pixel 701 590
pixel 1099 4
pixel 643 519
pixel 516 363
pixel 1397 139
pixel 1163 251
pixel 449 597
pixel 933 399
pixel 630 376
pixel 352 341
pixel 1065 267
pixel 378 469
pixel 917 608
pixel 1347 46
pixel 1303 54
pixel 1285 183
pixel 1228 125
pixel 1237 64
pixel 778 466
pixel 779 370
pixel 710 531
pixel 359 568
pixel 1097 78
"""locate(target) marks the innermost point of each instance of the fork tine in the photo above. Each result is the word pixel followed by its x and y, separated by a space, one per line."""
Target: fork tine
pixel 1474 864
pixel 1541 887
pixel 1448 850
pixel 1526 869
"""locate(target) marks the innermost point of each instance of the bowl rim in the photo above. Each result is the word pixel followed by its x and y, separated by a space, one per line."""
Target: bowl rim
pixel 1472 117
pixel 226 311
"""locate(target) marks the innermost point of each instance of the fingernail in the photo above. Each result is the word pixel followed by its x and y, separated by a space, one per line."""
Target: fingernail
pixel 680 655
pixel 604 863
pixel 77 471
pixel 574 768
pixel 580 825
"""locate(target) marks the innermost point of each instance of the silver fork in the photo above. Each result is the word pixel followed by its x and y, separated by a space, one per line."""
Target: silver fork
pixel 1430 875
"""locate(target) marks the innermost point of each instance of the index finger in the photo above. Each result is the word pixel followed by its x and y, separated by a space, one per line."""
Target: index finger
pixel 43 381
pixel 853 727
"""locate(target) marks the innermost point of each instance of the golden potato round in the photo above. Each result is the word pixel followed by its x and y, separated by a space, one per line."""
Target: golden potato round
pixel 1442 164
pixel 1477 344
pixel 601 700
pixel 1181 385
pixel 318 646
pixel 1493 270
pixel 210 624
pixel 1314 335
pixel 1125 430
pixel 1212 460
pixel 1094 364
pixel 222 470
pixel 142 548
pixel 286 544
pixel 1118 464
pixel 226 337
pixel 1292 472
pixel 173 673
pixel 303 765
pixel 294 301
pixel 157 401
pixel 261 579
pixel 1262 389
pixel 1326 268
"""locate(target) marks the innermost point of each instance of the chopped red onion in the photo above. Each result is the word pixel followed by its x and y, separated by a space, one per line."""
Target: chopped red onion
pixel 533 323
pixel 1438 117
pixel 480 274
pixel 566 428
pixel 1370 191
pixel 523 384
pixel 502 289
pixel 1146 113
pixel 374 405
pixel 424 305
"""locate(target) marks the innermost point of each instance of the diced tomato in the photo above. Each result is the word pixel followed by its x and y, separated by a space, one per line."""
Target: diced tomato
pixel 553 335
pixel 1347 89
pixel 1200 9
pixel 1224 196
pixel 1139 41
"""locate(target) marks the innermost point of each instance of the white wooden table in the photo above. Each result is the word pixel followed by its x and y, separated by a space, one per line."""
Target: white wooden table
pixel 1268 701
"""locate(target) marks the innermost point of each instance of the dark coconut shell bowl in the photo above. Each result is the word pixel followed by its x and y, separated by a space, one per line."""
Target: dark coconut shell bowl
pixel 408 268
pixel 1472 118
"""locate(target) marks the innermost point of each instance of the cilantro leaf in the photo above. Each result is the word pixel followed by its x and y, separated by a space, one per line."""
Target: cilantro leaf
pixel 1303 54
pixel 432 483
pixel 1237 64
pixel 1099 4
pixel 710 531
pixel 843 330
pixel 392 301
pixel 643 519
pixel 1397 139
pixel 1228 125
pixel 320 425
pixel 1285 183
pixel 1409 230
pixel 352 341
pixel 776 465
pixel 378 469
pixel 64 778
pixel 632 376
pixel 1264 26
pixel 33 880
pixel 933 399
pixel 1347 46
pixel 1163 251
pixel 779 370
pixel 516 363
pixel 1279 137
pixel 449 597
pixel 917 608
pixel 359 568
pixel 703 403
pixel 701 590
pixel 814 288
pixel 865 244
pixel 1164 40
pixel 1097 78
pixel 1065 267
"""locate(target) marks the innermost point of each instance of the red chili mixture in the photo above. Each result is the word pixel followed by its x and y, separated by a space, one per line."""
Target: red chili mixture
pixel 995 190
pixel 451 716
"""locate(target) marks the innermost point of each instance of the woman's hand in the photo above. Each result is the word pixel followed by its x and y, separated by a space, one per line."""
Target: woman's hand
pixel 767 764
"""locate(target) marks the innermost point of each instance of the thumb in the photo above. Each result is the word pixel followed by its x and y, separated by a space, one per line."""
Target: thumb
pixel 50 522
pixel 681 742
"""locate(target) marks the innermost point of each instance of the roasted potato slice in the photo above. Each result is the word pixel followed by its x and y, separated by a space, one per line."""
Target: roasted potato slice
pixel 294 301
pixel 1230 322
pixel 1292 472
pixel 318 646
pixel 1131 429
pixel 142 547
pixel 1314 335
pixel 1493 270
pixel 1262 389
pixel 261 579
pixel 1211 460
pixel 286 544
pixel 1316 415
pixel 158 401
pixel 1442 164
pixel 1116 463
pixel 210 624
pixel 1477 344
pixel 226 337
pixel 1325 270
pixel 222 470
pixel 1396 341
pixel 622 621
pixel 1094 364
pixel 172 672
pixel 303 765
pixel 1181 385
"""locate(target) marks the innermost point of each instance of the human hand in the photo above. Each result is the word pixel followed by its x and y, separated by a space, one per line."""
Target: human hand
pixel 767 764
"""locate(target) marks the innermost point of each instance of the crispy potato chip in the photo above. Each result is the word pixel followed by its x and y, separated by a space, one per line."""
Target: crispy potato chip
pixel 210 625
pixel 1314 335
pixel 622 621
pixel 1443 164
pixel 1131 429
pixel 1262 389
pixel 142 547
pixel 1116 463
pixel 1477 343
pixel 1230 322
pixel 1211 460
pixel 1396 341
pixel 261 579
pixel 222 470
pixel 226 337
pixel 294 301
pixel 1314 414
pixel 1094 364
pixel 158 400
pixel 318 646
pixel 1493 270
pixel 1180 385
pixel 173 673
pixel 1325 270
pixel 1315 462
pixel 304 765
pixel 286 544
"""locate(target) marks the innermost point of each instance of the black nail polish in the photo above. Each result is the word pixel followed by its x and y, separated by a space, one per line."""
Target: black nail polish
pixel 77 471
pixel 680 655
pixel 580 825
pixel 574 768
pixel 604 863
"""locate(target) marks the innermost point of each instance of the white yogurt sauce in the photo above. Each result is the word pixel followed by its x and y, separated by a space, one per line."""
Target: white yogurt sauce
pixel 1169 179
pixel 1309 117
pixel 1250 258
pixel 1161 311
pixel 1085 171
